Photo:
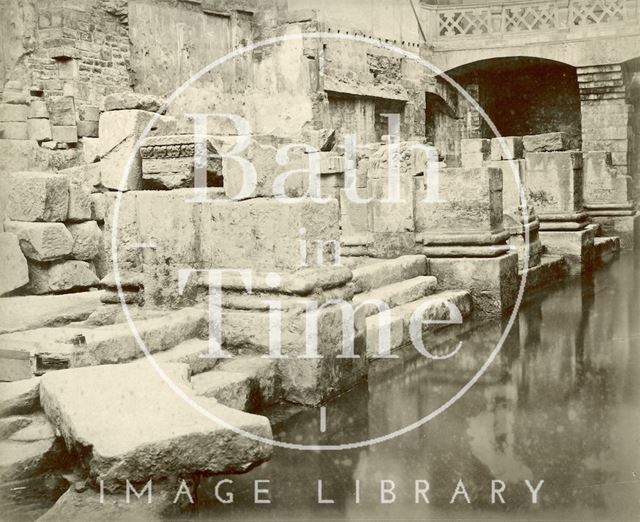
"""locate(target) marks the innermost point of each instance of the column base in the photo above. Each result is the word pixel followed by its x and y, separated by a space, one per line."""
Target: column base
pixel 576 246
pixel 492 281
pixel 627 228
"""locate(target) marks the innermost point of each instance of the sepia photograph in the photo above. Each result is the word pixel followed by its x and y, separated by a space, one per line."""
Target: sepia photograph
pixel 320 260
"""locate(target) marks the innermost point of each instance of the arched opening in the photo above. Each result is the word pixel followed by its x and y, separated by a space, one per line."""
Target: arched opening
pixel 521 95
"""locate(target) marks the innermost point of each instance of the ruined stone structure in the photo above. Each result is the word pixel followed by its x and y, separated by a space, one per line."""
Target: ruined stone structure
pixel 447 214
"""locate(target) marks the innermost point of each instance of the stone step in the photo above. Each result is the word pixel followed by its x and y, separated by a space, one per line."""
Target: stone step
pixel 248 383
pixel 606 249
pixel 190 352
pixel 400 293
pixel 58 348
pixel 27 312
pixel 435 309
pixel 126 423
pixel 381 273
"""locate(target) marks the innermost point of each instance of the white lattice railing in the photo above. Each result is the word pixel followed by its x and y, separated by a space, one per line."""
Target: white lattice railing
pixel 519 16
pixel 588 12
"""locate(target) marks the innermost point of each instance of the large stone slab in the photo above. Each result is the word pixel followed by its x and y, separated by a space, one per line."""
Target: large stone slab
pixel 115 343
pixel 19 397
pixel 14 273
pixel 131 100
pixel 42 241
pixel 554 182
pixel 27 312
pixel 119 131
pixel 37 196
pixel 549 142
pixel 85 504
pixel 469 200
pixel 266 236
pixel 60 276
pixel 127 424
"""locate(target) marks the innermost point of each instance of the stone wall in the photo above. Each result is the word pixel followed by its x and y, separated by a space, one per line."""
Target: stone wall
pixel 68 47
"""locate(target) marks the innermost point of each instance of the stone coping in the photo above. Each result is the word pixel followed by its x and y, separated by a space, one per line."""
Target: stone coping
pixel 300 282
pixel 462 238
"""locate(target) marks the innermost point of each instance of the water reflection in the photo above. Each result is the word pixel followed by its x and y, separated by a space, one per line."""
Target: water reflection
pixel 560 403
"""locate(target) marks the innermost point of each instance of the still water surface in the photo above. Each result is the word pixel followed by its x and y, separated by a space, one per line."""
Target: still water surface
pixel 561 403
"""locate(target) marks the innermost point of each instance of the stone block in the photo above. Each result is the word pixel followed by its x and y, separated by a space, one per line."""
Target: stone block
pixel 39 130
pixel 87 240
pixel 14 130
pixel 38 109
pixel 382 273
pixel 126 442
pixel 263 157
pixel 119 131
pixel 37 196
pixel 469 200
pixel 475 146
pixel 89 113
pixel 492 281
pixel 88 129
pixel 79 200
pixel 554 182
pixel 576 246
pixel 412 160
pixel 602 183
pixel 129 258
pixel 266 235
pixel 132 100
pixel 14 273
pixel 98 207
pixel 168 162
pixel 513 144
pixel 19 397
pixel 627 228
pixel 473 160
pixel 353 215
pixel 548 142
pixel 16 113
pixel 60 276
pixel 513 182
pixel 62 111
pixel 42 241
pixel 386 215
pixel 233 389
pixel 64 134
pixel 87 174
pixel 15 365
pixel 15 97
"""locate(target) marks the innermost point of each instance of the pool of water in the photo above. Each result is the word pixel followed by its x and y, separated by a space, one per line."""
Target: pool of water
pixel 560 404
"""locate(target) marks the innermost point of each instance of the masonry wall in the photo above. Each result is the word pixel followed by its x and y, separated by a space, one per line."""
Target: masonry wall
pixel 272 86
pixel 76 48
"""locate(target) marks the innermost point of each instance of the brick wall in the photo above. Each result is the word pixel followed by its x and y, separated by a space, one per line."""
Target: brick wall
pixel 83 49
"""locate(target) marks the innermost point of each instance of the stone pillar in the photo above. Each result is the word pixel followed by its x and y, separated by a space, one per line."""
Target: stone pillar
pixel 509 161
pixel 555 186
pixel 607 139
pixel 464 239
pixel 605 113
pixel 390 209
